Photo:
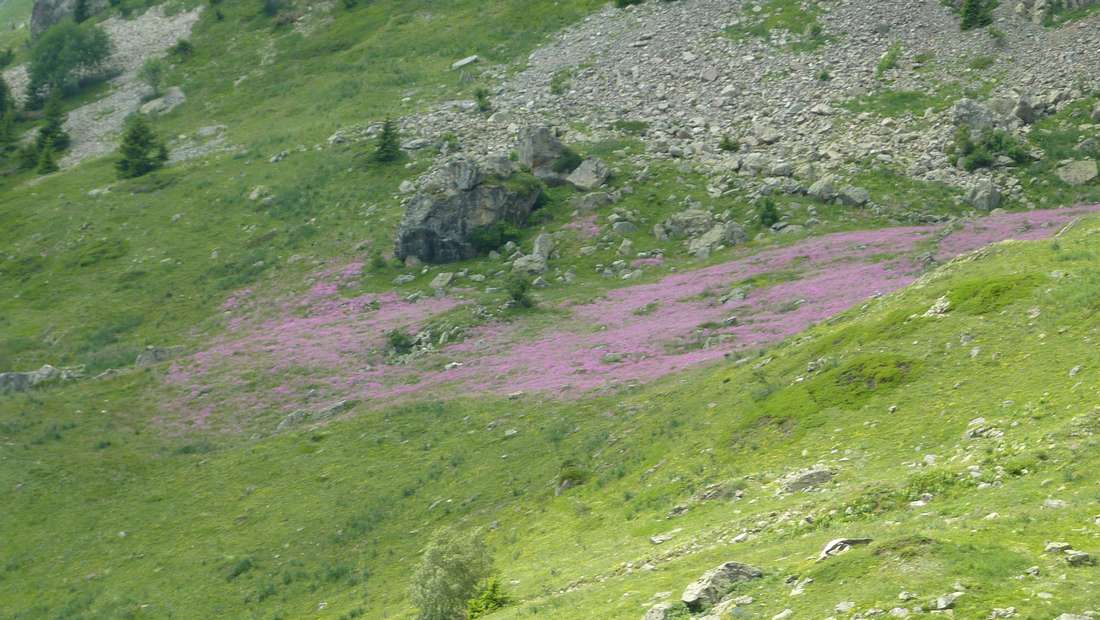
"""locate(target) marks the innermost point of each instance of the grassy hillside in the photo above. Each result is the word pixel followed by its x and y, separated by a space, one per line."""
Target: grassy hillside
pixel 327 522
pixel 958 416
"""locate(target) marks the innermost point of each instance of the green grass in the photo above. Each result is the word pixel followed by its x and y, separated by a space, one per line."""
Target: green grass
pixel 791 16
pixel 168 526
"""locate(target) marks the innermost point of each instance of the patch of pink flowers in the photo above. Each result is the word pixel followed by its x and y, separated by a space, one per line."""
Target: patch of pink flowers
pixel 318 349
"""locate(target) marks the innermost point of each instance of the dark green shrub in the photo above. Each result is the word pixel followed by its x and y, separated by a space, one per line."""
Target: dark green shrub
pixel 728 144
pixel 399 342
pixel 567 162
pixel 490 597
pixel 52 131
pixel 626 3
pixel 482 97
pixel 183 49
pixel 492 236
pixel 519 290
pixel 7 57
pixel 981 152
pixel 46 163
pixel 241 567
pixel 449 572
pixel 977 13
pixel 767 214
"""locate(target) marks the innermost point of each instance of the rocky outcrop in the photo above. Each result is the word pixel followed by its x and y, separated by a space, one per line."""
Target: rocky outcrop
pixel 709 589
pixel 459 199
pixel 1078 172
pixel 46 13
pixel 23 381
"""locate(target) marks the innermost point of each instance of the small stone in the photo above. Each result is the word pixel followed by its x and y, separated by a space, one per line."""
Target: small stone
pixel 465 62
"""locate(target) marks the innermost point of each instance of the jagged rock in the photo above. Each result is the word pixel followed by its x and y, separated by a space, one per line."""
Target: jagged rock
pixel 442 281
pixel 985 197
pixel 840 545
pixel 170 100
pixel 1096 114
pixel 716 583
pixel 302 416
pixel 1024 110
pixel 806 480
pixel 46 13
pixel 727 233
pixel 854 196
pixel 1073 617
pixel 686 223
pixel 766 134
pixel 1077 172
pixel 156 355
pixel 539 150
pixel 823 189
pixel 972 114
pixel 947 601
pixel 439 220
pixel 535 262
pixel 591 202
pixel 662 611
pixel 23 381
pixel 592 173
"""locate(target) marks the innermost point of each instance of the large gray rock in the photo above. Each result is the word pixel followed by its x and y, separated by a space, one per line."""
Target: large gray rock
pixel 723 233
pixel 972 114
pixel 591 174
pixel 440 219
pixel 539 150
pixel 172 99
pixel 535 263
pixel 1096 114
pixel 854 196
pixel 706 591
pixel 985 197
pixel 46 13
pixel 661 611
pixel 806 480
pixel 303 416
pixel 1078 172
pixel 824 189
pixel 23 381
pixel 684 224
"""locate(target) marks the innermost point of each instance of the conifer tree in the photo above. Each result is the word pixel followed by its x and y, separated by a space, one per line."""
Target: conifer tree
pixel 46 163
pixel 389 143
pixel 142 152
pixel 53 131
pixel 81 12
pixel 975 14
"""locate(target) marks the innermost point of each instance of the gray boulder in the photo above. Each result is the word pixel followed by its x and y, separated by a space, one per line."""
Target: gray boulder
pixel 709 589
pixel 854 196
pixel 155 355
pixel 686 223
pixel 824 189
pixel 440 219
pixel 723 233
pixel 23 381
pixel 539 150
pixel 1077 172
pixel 591 174
pixel 170 100
pixel 661 611
pixel 985 197
pixel 1096 114
pixel 806 480
pixel 302 416
pixel 972 114
pixel 535 263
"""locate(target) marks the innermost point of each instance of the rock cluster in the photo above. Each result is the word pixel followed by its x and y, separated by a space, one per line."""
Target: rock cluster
pixel 23 381
pixel 460 198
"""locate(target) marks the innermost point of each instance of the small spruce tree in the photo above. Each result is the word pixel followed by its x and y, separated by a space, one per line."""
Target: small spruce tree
pixel 975 14
pixel 389 143
pixel 46 163
pixel 767 213
pixel 81 11
pixel 52 131
pixel 142 152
